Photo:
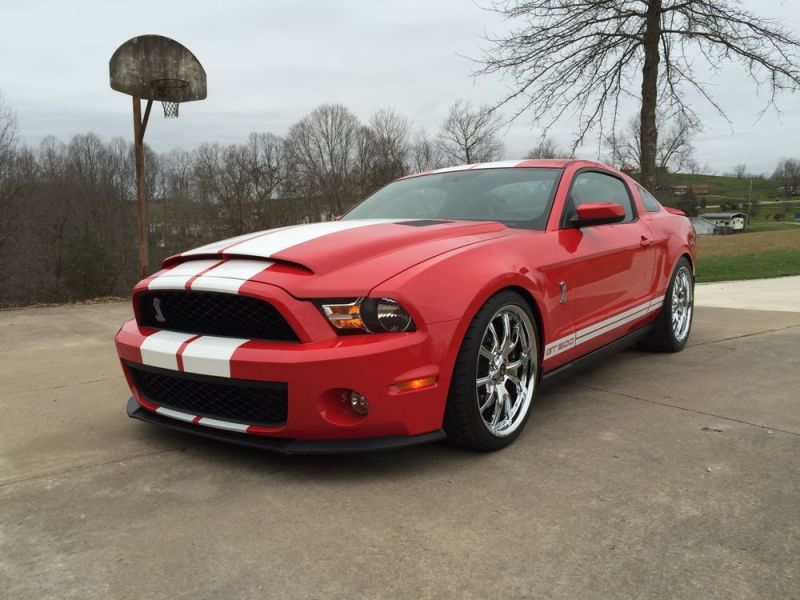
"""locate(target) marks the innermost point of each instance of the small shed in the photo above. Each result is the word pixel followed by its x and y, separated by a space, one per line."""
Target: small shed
pixel 703 226
pixel 679 190
pixel 734 221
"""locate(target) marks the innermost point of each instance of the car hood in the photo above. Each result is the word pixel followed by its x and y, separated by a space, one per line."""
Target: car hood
pixel 344 258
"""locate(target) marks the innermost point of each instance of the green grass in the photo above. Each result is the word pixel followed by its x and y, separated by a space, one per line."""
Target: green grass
pixel 758 225
pixel 767 263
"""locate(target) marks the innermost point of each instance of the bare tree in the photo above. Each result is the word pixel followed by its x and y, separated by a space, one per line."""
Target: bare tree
pixel 322 147
pixel 426 153
pixel 8 128
pixel 787 176
pixel 10 186
pixel 390 131
pixel 548 148
pixel 674 151
pixel 582 57
pixel 364 177
pixel 694 167
pixel 740 171
pixel 470 135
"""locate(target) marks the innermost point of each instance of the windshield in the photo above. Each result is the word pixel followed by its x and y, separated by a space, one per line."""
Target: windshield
pixel 518 197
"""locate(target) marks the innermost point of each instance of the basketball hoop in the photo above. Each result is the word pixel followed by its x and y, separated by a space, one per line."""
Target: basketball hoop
pixel 171 92
pixel 150 68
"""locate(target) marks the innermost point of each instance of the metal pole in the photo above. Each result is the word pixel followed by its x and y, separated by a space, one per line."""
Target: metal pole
pixel 141 193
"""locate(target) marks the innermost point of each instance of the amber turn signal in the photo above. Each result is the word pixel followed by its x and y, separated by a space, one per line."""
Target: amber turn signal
pixel 415 384
pixel 344 316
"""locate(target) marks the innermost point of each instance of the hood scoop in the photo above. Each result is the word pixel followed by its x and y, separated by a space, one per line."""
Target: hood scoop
pixel 423 222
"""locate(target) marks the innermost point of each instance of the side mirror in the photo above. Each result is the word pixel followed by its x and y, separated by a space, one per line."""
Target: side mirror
pixel 598 213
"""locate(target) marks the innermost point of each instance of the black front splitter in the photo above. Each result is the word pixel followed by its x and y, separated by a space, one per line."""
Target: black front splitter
pixel 283 445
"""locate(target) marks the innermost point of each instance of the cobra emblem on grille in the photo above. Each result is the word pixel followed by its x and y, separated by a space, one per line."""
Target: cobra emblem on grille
pixel 157 307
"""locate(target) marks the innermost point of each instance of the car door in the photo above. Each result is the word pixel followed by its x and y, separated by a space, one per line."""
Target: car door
pixel 609 285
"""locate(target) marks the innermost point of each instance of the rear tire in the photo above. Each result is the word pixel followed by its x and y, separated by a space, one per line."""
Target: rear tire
pixel 495 376
pixel 670 331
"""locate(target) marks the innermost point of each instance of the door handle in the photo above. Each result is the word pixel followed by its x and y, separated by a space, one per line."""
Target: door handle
pixel 646 242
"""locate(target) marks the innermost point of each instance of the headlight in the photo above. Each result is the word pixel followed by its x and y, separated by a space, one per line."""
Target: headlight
pixel 376 315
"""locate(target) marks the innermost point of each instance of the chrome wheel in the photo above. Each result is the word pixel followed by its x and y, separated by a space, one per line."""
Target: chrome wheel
pixel 506 370
pixel 682 303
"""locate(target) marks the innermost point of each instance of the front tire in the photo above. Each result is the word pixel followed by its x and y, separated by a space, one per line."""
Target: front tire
pixel 670 330
pixel 495 375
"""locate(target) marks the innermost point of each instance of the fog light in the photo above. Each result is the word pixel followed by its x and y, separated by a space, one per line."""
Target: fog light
pixel 357 401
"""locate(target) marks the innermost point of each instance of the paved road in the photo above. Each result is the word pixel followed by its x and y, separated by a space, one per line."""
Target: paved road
pixel 652 476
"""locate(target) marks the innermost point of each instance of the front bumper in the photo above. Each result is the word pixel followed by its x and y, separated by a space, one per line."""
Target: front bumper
pixel 285 445
pixel 316 373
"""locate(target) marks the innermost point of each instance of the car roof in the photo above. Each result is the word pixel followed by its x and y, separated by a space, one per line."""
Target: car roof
pixel 552 163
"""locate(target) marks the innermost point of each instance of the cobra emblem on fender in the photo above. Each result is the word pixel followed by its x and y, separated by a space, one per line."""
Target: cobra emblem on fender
pixel 157 307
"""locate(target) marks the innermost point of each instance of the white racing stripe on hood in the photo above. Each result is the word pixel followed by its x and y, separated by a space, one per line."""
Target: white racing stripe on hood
pixel 178 276
pixel 215 247
pixel 273 242
pixel 229 276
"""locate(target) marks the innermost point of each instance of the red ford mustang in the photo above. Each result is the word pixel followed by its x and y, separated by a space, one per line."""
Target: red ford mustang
pixel 435 308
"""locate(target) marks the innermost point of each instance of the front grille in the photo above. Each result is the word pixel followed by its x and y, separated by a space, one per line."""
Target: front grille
pixel 241 401
pixel 214 313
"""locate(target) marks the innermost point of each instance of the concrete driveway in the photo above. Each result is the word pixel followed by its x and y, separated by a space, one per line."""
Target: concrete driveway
pixel 652 476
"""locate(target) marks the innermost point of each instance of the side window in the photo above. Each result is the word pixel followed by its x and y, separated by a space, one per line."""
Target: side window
pixel 650 203
pixel 592 186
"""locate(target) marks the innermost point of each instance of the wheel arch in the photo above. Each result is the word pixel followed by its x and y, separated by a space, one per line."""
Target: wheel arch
pixel 533 305
pixel 688 257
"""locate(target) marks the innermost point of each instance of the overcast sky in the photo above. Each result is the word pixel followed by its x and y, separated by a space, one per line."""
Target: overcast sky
pixel 270 62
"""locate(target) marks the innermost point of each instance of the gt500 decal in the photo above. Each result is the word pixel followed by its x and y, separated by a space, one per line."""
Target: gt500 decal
pixel 601 327
pixel 559 346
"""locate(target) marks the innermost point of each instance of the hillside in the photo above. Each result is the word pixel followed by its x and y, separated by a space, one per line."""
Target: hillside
pixel 722 187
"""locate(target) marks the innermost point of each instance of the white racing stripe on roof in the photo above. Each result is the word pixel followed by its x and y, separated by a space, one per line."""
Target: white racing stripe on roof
pixel 161 348
pixel 229 276
pixel 177 277
pixel 283 239
pixel 210 355
pixel 499 164
pixel 456 168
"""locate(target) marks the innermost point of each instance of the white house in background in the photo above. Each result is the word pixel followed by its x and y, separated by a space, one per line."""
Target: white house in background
pixel 734 221
pixel 703 226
